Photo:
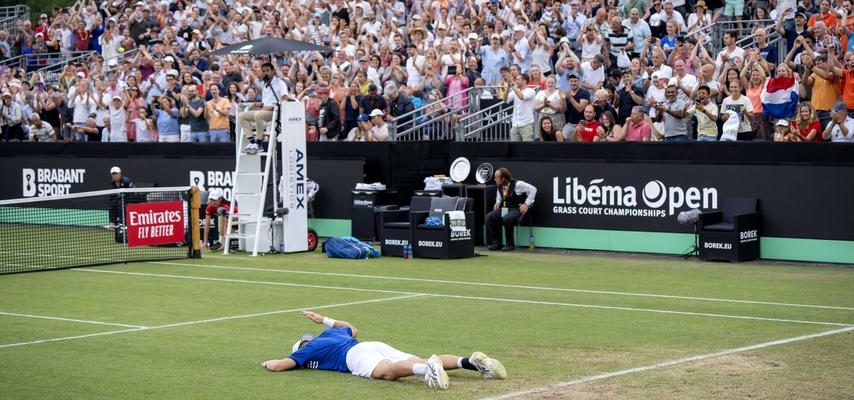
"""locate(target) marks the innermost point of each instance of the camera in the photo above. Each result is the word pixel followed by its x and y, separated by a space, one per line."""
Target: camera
pixel 452 70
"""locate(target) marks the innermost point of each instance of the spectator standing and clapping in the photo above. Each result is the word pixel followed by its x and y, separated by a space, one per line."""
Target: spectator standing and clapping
pixel 522 122
pixel 218 111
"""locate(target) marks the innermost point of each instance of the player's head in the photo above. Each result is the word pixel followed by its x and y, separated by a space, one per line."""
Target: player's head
pixel 215 197
pixel 116 173
pixel 302 342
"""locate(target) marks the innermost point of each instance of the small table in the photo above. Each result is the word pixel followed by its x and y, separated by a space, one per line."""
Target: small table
pixel 484 200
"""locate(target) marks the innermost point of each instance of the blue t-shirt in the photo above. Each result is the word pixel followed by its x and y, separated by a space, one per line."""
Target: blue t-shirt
pixel 328 351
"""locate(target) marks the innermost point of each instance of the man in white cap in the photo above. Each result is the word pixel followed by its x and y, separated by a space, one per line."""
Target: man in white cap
pixel 379 131
pixel 119 182
pixel 117 122
pixel 219 208
pixel 521 54
pixel 12 118
pixel 336 349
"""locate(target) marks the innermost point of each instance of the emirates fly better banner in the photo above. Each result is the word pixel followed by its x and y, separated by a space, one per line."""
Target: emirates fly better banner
pixel 155 223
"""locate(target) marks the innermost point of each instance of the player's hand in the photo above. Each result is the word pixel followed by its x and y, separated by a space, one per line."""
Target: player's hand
pixel 313 316
pixel 523 209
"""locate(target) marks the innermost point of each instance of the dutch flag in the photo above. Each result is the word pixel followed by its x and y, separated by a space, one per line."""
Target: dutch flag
pixel 780 97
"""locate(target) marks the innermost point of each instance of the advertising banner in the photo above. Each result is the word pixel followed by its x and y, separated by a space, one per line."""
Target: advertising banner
pixel 794 201
pixel 154 223
pixel 294 175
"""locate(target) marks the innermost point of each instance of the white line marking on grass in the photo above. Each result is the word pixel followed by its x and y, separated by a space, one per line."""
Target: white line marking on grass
pixel 520 301
pixel 668 364
pixel 70 320
pixel 511 286
pixel 206 321
pixel 59 339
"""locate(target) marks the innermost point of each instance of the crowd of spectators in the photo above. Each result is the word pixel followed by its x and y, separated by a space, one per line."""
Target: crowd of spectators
pixel 572 70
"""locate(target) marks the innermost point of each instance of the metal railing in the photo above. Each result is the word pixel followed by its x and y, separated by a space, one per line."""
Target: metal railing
pixel 120 58
pixel 489 124
pixel 9 16
pixel 15 11
pixel 436 119
pixel 58 61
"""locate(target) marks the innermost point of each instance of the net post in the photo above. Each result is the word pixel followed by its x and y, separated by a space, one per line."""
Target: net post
pixel 195 205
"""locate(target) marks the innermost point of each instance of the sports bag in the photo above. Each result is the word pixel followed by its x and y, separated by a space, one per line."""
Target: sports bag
pixel 349 247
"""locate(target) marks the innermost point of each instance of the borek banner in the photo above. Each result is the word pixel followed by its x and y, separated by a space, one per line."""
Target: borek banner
pixel 794 201
pixel 155 223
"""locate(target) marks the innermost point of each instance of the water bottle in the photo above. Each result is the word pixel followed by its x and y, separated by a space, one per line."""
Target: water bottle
pixel 406 252
pixel 531 241
pixel 411 254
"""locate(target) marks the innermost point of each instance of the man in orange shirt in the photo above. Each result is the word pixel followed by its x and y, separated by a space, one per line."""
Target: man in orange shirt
pixel 825 87
pixel 847 81
pixel 825 14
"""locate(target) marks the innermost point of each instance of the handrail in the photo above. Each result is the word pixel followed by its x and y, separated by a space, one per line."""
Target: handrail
pixel 475 120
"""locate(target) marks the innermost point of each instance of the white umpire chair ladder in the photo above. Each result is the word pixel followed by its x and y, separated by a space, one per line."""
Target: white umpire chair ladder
pixel 249 187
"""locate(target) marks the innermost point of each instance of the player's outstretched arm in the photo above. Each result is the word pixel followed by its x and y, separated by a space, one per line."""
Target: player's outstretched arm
pixel 329 322
pixel 279 365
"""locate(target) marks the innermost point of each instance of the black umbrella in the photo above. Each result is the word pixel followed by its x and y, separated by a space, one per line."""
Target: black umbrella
pixel 269 45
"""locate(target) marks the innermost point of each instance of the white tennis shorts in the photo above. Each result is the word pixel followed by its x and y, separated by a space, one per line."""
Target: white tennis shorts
pixel 365 356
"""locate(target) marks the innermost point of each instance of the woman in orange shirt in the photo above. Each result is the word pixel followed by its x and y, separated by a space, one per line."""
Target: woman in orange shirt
pixel 753 80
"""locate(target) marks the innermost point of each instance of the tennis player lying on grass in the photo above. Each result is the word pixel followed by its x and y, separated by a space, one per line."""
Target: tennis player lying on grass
pixel 336 349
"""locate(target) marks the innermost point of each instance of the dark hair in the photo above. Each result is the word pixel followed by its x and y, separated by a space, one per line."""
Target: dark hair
pixel 525 77
pixel 550 120
pixel 268 65
pixel 704 87
pixel 505 173
pixel 732 34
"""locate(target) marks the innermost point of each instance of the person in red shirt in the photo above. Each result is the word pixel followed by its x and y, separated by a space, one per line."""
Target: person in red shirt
pixel 586 129
pixel 215 203
pixel 806 124
pixel 81 37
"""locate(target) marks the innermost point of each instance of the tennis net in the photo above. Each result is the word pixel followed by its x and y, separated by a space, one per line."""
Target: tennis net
pixel 94 228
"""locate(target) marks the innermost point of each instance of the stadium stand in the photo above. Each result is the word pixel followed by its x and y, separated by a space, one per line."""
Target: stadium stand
pixel 438 70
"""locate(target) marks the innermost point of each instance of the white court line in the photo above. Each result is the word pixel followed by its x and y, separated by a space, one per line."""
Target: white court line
pixel 84 321
pixel 667 364
pixel 205 321
pixel 593 306
pixel 511 286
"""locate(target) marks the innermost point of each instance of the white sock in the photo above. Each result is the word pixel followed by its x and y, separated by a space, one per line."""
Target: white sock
pixel 459 362
pixel 419 369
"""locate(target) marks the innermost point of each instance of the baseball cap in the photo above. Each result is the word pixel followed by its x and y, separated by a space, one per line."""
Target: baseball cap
pixel 168 59
pixel 81 74
pixel 215 194
pixel 323 90
pixel 672 82
pixel 782 122
pixel 7 94
pixel 196 31
pixel 518 28
pixel 656 76
pixel 43 16
pixel 115 170
pixel 839 106
pixel 574 74
pixel 363 117
pixel 377 113
pixel 307 337
pixel 563 40
pixel 473 36
pixel 117 98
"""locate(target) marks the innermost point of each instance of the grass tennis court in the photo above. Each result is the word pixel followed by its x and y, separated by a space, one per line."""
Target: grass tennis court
pixel 200 328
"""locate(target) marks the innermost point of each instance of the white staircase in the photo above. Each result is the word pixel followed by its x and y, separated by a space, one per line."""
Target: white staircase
pixel 251 178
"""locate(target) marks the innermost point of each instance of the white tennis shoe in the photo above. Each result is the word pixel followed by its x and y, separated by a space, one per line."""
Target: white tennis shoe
pixel 436 376
pixel 490 368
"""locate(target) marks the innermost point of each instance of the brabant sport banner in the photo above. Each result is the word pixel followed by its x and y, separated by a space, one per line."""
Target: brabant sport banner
pixel 154 223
